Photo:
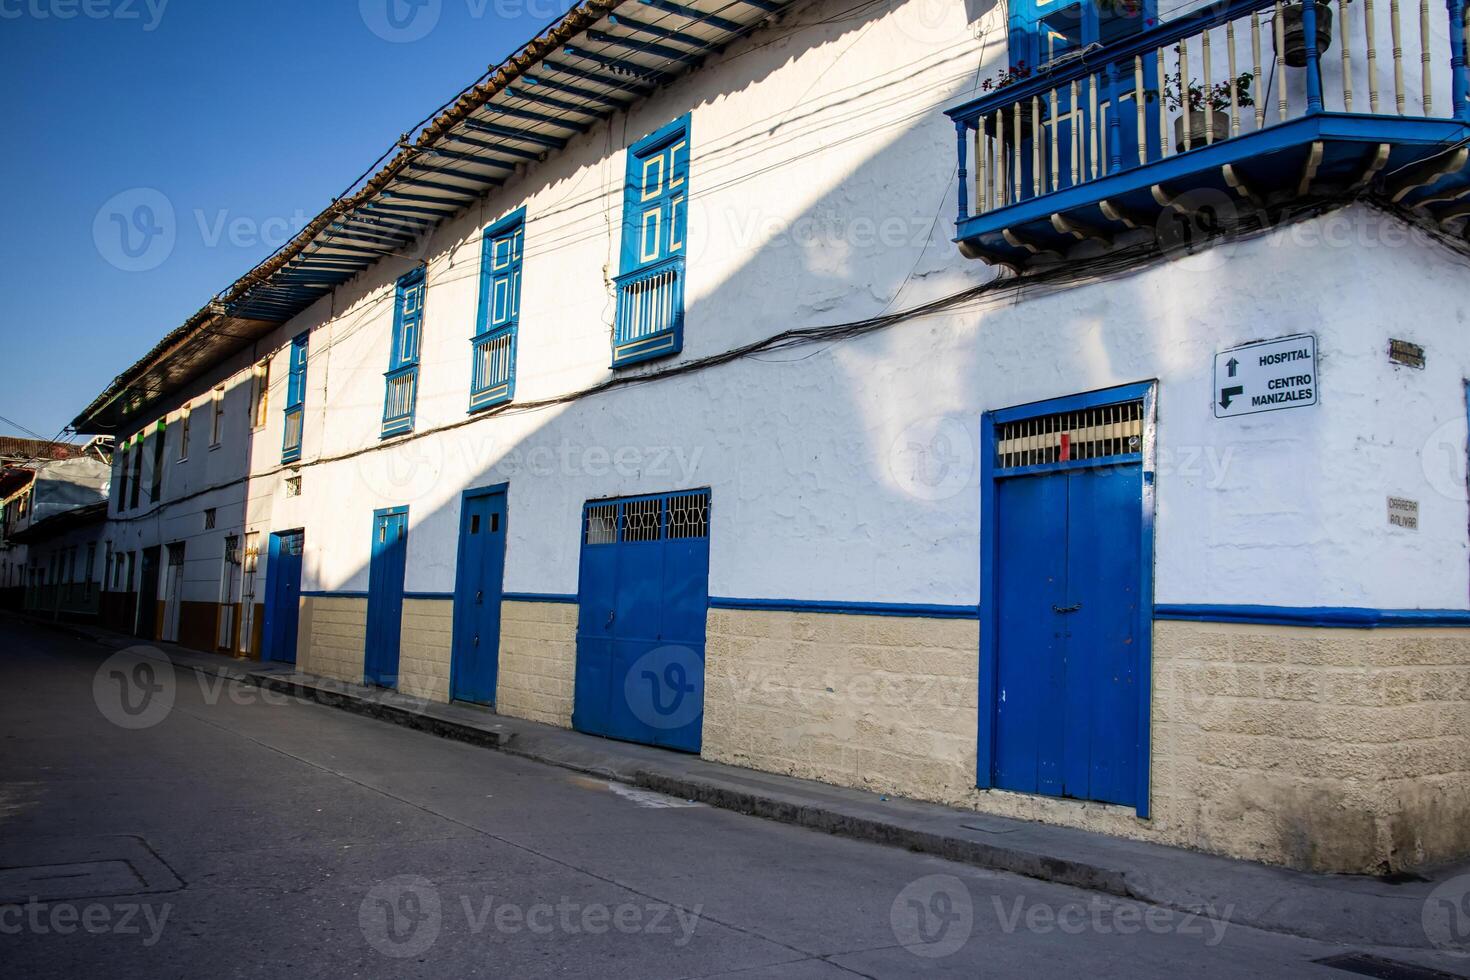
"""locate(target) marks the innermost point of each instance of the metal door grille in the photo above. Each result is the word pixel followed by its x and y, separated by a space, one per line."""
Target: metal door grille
pixel 602 524
pixel 643 520
pixel 1088 434
pixel 689 515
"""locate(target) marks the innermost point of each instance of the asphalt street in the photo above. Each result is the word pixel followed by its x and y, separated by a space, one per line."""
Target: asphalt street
pixel 158 823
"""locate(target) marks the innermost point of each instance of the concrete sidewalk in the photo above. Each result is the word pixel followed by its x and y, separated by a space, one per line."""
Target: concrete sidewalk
pixel 1342 909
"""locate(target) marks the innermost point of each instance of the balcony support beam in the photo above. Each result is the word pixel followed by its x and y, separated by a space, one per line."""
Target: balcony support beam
pixel 1309 167
pixel 1236 182
pixel 1370 170
pixel 1114 211
pixel 1080 230
pixel 1426 173
pixel 1016 241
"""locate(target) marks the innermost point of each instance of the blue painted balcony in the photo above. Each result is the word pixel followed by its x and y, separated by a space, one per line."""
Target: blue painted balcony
pixel 1245 106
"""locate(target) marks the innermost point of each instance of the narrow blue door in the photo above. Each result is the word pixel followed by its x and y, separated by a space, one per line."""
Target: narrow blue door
pixel 644 596
pixel 477 593
pixel 1069 546
pixel 385 596
pixel 283 607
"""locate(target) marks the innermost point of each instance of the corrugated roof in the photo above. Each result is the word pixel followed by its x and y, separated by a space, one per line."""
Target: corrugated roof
pixel 14 447
pixel 600 57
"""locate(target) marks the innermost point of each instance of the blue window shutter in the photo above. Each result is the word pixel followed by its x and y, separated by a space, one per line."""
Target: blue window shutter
pixel 650 310
pixel 401 381
pixel 497 321
pixel 295 409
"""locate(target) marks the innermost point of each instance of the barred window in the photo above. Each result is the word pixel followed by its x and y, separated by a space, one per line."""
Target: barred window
pixel 689 515
pixel 643 520
pixel 602 524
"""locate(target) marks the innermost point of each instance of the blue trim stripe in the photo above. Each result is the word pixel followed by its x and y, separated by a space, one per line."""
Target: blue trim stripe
pixel 1335 616
pixel 537 597
pixel 919 609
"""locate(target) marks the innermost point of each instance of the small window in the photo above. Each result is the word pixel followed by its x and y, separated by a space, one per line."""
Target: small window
pixel 295 410
pixel 293 486
pixel 1069 437
pixel 643 520
pixel 493 347
pixel 217 424
pixel 260 394
pixel 184 434
pixel 474 523
pixel 602 524
pixel 209 519
pixel 401 392
pixel 689 515
pixel 649 320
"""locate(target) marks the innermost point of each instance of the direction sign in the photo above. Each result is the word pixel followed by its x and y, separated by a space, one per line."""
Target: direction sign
pixel 1266 376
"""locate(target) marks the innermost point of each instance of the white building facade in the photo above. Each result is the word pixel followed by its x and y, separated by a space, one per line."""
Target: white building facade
pixel 697 429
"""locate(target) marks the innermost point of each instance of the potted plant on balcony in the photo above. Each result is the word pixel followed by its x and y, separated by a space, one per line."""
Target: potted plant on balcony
pixel 1008 76
pixel 1294 32
pixel 1193 100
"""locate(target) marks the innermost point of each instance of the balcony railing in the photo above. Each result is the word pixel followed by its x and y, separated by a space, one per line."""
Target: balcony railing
pixel 1206 92
pixel 291 441
pixel 493 377
pixel 398 403
pixel 650 315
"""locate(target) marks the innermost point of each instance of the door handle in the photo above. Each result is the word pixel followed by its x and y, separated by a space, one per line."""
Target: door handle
pixel 610 614
pixel 479 596
pixel 1066 609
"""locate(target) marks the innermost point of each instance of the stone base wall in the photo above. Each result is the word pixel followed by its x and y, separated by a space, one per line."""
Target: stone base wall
pixel 1325 749
pixel 331 636
pixel 538 661
pixel 424 648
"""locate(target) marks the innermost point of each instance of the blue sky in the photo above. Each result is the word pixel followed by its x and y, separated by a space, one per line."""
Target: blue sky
pixel 242 118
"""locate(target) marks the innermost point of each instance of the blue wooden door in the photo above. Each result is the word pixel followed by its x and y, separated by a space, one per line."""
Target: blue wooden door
pixel 477 592
pixel 385 596
pixel 643 598
pixel 1068 573
pixel 283 591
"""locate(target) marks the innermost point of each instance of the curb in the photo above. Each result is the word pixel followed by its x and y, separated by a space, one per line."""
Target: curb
pixel 834 821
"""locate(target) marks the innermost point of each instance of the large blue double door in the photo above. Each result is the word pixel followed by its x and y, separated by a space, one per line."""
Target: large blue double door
pixel 1070 663
pixel 643 597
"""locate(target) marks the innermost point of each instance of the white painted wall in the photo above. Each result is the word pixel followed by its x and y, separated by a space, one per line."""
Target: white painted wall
pixel 822 192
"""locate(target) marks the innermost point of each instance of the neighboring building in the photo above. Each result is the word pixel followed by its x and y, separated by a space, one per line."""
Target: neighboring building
pixel 66 563
pixel 645 392
pixel 33 486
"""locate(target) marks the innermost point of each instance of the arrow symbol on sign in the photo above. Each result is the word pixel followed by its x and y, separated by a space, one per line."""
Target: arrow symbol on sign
pixel 1232 364
pixel 1227 393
